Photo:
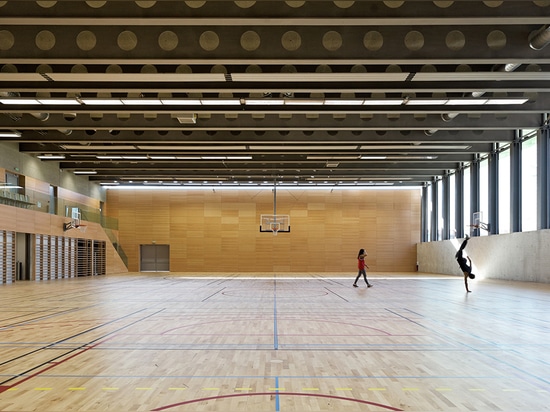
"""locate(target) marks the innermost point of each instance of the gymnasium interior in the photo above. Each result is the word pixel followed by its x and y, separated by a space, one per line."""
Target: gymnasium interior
pixel 185 187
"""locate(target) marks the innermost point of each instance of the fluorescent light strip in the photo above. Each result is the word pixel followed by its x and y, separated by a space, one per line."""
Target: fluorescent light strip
pixel 181 102
pixel 58 101
pixel 10 134
pixel 97 147
pixel 19 101
pixel 469 102
pixel 317 157
pixel 415 147
pixel 137 102
pixel 302 102
pixel 383 102
pixel 104 102
pixel 307 147
pixel 260 102
pixel 264 102
pixel 223 102
pixel 85 172
pixel 51 157
pixel 193 148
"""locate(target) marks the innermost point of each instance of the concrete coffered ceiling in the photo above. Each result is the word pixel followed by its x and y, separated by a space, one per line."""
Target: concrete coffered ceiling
pixel 246 92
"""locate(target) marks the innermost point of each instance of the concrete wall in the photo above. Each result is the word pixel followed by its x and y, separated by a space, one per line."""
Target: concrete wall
pixel 20 163
pixel 516 256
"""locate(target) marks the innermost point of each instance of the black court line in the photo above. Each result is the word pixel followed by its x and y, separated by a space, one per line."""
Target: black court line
pixel 213 294
pixel 50 345
pixel 336 294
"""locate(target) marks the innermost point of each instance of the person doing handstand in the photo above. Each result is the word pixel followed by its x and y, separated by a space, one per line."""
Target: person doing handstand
pixel 464 266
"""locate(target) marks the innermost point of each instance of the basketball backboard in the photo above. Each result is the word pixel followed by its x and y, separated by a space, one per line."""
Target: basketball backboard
pixel 275 223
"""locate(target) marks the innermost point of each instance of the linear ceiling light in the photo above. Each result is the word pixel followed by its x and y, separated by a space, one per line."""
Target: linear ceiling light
pixel 507 101
pixel 193 148
pixel 321 157
pixel 415 147
pixel 470 102
pixel 262 102
pixel 307 147
pixel 427 102
pixel 344 102
pixel 97 147
pixel 59 102
pixel 98 102
pixel 85 172
pixel 383 102
pixel 19 101
pixel 223 102
pixel 181 102
pixel 51 157
pixel 141 102
pixel 301 102
pixel 10 134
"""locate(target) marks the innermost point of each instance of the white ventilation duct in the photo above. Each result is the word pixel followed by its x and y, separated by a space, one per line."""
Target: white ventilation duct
pixel 540 39
pixel 447 117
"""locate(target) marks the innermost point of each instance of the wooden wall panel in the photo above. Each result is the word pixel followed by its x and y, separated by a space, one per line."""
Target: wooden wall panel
pixel 30 221
pixel 218 231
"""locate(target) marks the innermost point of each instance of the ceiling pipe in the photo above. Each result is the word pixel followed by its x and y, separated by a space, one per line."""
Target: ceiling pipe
pixel 540 38
pixel 447 117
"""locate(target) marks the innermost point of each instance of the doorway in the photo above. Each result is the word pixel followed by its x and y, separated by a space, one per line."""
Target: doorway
pixel 154 258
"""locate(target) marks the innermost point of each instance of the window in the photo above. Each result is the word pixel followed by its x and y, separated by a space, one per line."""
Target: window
pixel 504 190
pixel 467 215
pixel 452 208
pixel 529 184
pixel 440 217
pixel 484 193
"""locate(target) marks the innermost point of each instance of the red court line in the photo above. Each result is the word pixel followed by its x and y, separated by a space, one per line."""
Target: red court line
pixel 52 364
pixel 316 395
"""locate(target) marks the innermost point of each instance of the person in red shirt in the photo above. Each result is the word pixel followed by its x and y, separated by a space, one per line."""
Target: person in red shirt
pixel 362 268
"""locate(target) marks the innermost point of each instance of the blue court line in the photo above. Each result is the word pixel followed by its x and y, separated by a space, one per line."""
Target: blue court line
pixel 277 404
pixel 275 333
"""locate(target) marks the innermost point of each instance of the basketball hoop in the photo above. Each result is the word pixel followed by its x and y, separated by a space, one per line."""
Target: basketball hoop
pixel 82 228
pixel 275 228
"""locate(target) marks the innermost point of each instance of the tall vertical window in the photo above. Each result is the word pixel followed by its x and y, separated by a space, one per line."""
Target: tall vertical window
pixel 529 184
pixel 452 206
pixel 429 213
pixel 484 192
pixel 440 217
pixel 467 214
pixel 504 190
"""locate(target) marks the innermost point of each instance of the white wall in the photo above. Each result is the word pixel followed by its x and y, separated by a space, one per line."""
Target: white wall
pixel 521 256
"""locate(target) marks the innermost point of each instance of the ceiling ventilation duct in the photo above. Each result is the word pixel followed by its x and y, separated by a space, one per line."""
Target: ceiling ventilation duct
pixel 540 39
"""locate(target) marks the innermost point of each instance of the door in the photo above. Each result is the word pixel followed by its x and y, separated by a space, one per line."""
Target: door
pixel 154 258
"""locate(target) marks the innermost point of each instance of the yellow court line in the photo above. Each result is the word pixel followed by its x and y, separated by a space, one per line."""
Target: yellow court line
pixel 276 389
pixel 477 389
pixel 343 389
pixel 43 389
pixel 12 389
pixel 77 389
pixel 243 389
pixel 310 389
pixel 177 389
